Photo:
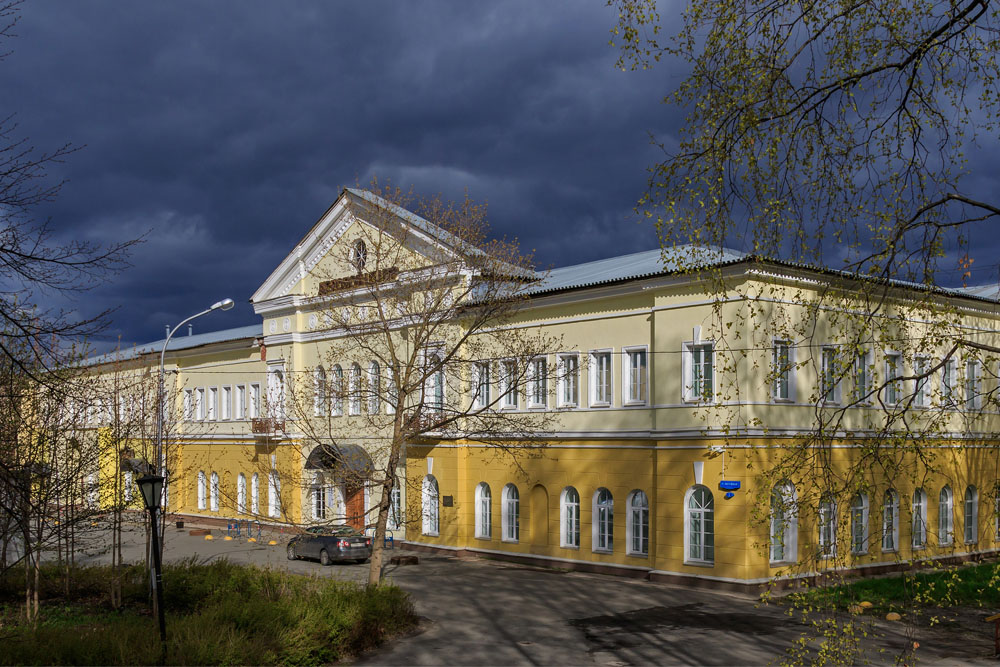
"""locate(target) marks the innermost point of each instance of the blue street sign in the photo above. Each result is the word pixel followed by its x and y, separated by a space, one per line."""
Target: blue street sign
pixel 729 485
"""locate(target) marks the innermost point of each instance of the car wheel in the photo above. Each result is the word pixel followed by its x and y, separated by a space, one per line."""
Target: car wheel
pixel 291 552
pixel 324 557
pixel 363 560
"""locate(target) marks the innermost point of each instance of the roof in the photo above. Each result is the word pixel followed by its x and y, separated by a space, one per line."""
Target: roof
pixel 180 342
pixel 637 265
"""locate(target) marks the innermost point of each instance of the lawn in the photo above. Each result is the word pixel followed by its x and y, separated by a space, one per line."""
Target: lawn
pixel 217 613
pixel 970 585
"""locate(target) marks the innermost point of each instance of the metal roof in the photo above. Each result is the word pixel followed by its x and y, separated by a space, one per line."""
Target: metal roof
pixel 180 342
pixel 637 265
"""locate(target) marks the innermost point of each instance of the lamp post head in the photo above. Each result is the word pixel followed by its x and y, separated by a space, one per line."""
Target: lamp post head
pixel 151 487
pixel 225 304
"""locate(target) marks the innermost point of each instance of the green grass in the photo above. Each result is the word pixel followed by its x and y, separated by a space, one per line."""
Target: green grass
pixel 966 585
pixel 217 614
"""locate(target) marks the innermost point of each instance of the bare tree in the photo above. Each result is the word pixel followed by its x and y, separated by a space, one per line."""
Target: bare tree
pixel 415 323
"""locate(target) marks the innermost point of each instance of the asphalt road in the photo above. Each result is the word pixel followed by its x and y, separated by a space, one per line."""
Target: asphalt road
pixel 488 612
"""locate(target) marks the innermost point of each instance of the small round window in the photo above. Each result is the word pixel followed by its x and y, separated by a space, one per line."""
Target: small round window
pixel 359 255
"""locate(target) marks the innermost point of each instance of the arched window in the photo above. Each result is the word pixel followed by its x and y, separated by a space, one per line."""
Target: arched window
pixel 396 508
pixel 354 389
pixel 213 492
pixel 569 530
pixel 374 388
pixel 276 393
pixel 971 515
pixel 359 255
pixel 859 524
pixel 432 518
pixel 511 516
pixel 92 490
pixel 784 524
pixel 202 491
pixel 699 526
pixel 255 494
pixel 241 494
pixel 484 509
pixel 319 392
pixel 890 521
pixel 603 520
pixel 919 533
pixel 273 494
pixel 945 516
pixel 319 497
pixel 127 485
pixel 827 527
pixel 637 530
pixel 337 391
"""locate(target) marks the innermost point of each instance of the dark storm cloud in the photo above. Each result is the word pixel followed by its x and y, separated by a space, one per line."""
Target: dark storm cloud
pixel 223 130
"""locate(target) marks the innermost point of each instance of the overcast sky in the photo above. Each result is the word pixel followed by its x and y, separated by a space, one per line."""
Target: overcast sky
pixel 223 130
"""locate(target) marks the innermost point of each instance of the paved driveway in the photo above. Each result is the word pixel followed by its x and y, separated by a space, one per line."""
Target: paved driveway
pixel 488 612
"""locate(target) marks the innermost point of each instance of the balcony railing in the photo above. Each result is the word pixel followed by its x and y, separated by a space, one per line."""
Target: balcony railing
pixel 267 425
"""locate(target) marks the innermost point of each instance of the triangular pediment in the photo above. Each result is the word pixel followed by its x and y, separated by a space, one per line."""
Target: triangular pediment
pixel 324 253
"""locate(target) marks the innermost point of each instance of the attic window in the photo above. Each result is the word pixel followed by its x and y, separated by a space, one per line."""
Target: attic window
pixel 359 255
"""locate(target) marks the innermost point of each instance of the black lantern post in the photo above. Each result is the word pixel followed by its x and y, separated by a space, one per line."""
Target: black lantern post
pixel 151 487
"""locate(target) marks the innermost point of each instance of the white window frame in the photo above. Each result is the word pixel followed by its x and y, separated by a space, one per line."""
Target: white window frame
pixel 273 494
pixel 893 368
pixel 510 516
pixel 354 390
pixel 784 376
pixel 631 376
pixel 430 505
pixel 212 408
pixel 213 492
pixel 970 515
pixel 862 376
pixel 890 522
pixel 859 546
pixel 320 399
pixel 826 519
pixel 481 394
pixel 918 523
pixel 689 513
pixel 395 521
pixel 783 516
pixel 318 497
pixel 946 516
pixel 538 383
pixel 240 403
pixel 374 387
pixel 202 490
pixel 688 389
pixel 337 391
pixel 255 494
pixel 921 386
pixel 435 391
pixel 829 374
pixel 602 522
pixel 597 388
pixel 484 511
pixel 241 494
pixel 188 406
pixel 254 404
pixel 226 403
pixel 637 525
pixel 975 400
pixel 508 385
pixel 569 519
pixel 199 404
pixel 949 380
pixel 568 381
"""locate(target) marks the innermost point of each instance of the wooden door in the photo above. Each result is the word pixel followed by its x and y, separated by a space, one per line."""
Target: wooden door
pixel 355 502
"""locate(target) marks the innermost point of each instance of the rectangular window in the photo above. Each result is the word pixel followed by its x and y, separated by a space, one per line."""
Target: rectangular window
pixel 637 376
pixel 239 407
pixel 188 406
pixel 538 391
pixel 921 393
pixel 481 384
pixel 893 369
pixel 862 376
pixel 254 405
pixel 508 384
pixel 199 403
pixel 781 369
pixel 212 411
pixel 699 380
pixel 569 380
pixel 948 373
pixel 973 400
pixel 830 387
pixel 226 404
pixel 600 378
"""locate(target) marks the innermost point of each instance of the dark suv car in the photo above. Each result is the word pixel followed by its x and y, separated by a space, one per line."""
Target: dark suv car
pixel 330 543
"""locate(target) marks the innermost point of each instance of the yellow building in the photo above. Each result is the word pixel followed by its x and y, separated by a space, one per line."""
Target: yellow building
pixel 692 419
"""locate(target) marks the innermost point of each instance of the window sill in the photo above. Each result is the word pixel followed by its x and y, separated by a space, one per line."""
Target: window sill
pixel 484 538
pixel 700 563
pixel 781 563
pixel 600 404
pixel 570 546
pixel 431 534
pixel 538 407
pixel 568 406
pixel 636 554
pixel 602 551
pixel 782 400
pixel 890 551
pixel 510 541
pixel 630 404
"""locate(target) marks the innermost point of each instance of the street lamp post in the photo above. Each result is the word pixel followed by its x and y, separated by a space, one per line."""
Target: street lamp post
pixel 159 464
pixel 151 486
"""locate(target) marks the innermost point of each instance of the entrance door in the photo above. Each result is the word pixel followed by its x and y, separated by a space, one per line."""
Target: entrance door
pixel 355 502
